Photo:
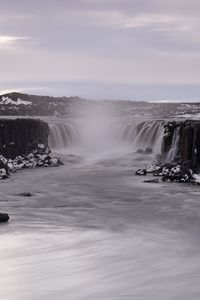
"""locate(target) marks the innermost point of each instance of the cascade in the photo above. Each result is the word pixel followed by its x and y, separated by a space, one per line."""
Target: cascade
pixel 61 135
pixel 145 134
pixel 174 148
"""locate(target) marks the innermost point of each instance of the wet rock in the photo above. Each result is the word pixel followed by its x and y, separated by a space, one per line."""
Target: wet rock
pixel 25 194
pixel 24 144
pixel 32 160
pixel 146 151
pixel 152 168
pixel 4 169
pixel 188 143
pixel 4 217
pixel 180 153
pixel 173 172
pixel 22 136
pixel 140 151
pixel 141 172
pixel 182 176
pixel 151 181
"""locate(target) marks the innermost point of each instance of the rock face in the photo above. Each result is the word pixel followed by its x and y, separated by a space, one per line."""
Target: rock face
pixel 180 157
pixel 181 143
pixel 22 136
pixel 24 144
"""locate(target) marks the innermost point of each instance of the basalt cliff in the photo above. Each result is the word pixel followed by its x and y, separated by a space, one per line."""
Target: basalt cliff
pixel 181 143
pixel 180 152
pixel 24 144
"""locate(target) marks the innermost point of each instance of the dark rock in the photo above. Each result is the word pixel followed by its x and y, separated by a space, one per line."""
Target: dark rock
pixel 141 172
pixel 22 136
pixel 4 217
pixel 151 181
pixel 25 194
pixel 188 151
pixel 4 166
pixel 177 173
pixel 4 177
pixel 140 151
pixel 148 151
pixel 24 144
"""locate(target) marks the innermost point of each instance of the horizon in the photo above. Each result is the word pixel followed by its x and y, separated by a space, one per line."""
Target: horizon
pixel 146 93
pixel 95 45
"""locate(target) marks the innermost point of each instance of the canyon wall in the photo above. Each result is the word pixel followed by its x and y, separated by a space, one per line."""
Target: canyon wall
pixel 181 143
pixel 22 136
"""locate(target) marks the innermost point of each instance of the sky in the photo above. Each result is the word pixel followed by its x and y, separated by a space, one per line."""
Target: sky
pixel 116 49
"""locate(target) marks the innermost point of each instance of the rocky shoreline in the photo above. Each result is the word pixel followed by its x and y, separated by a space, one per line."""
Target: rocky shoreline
pixel 179 160
pixel 24 144
pixel 35 159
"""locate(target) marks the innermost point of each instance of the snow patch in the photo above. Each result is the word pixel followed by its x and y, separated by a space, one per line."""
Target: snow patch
pixel 7 100
pixel 196 177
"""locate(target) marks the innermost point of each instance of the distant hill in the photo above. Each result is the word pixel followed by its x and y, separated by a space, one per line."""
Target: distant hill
pixel 19 104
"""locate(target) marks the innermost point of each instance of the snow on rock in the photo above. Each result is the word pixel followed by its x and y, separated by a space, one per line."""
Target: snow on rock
pixel 32 160
pixel 41 146
pixel 196 179
pixel 7 100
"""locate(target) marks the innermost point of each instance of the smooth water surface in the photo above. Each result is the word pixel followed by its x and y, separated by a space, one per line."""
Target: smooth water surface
pixel 92 230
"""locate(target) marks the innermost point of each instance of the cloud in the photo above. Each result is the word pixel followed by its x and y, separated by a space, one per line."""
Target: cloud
pixel 115 41
pixel 11 40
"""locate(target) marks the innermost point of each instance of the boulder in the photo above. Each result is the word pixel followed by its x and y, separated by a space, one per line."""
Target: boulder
pixel 151 181
pixel 140 151
pixel 146 151
pixel 141 172
pixel 25 194
pixel 4 217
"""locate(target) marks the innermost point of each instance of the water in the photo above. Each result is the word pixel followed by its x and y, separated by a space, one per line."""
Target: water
pixel 92 230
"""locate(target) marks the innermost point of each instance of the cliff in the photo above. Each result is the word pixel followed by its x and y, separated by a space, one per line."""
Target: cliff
pixel 24 144
pixel 180 154
pixel 22 136
pixel 181 143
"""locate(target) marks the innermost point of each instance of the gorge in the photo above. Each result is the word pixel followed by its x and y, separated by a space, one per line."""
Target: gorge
pixel 91 222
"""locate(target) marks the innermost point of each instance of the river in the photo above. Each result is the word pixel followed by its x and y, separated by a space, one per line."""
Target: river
pixel 92 230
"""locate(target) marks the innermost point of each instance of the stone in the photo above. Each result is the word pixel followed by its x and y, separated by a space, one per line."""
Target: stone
pixel 141 172
pixel 26 194
pixel 151 181
pixel 140 151
pixel 148 150
pixel 4 217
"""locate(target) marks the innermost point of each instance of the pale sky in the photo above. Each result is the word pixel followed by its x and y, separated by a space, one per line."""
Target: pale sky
pixel 99 43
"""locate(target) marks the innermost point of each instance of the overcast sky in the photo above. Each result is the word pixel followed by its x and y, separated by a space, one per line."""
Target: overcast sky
pixel 99 43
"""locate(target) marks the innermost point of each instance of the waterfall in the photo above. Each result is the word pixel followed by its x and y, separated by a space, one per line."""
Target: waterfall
pixel 145 134
pixel 174 148
pixel 61 135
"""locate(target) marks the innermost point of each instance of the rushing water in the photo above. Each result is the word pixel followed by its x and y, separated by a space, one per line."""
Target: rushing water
pixel 92 230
